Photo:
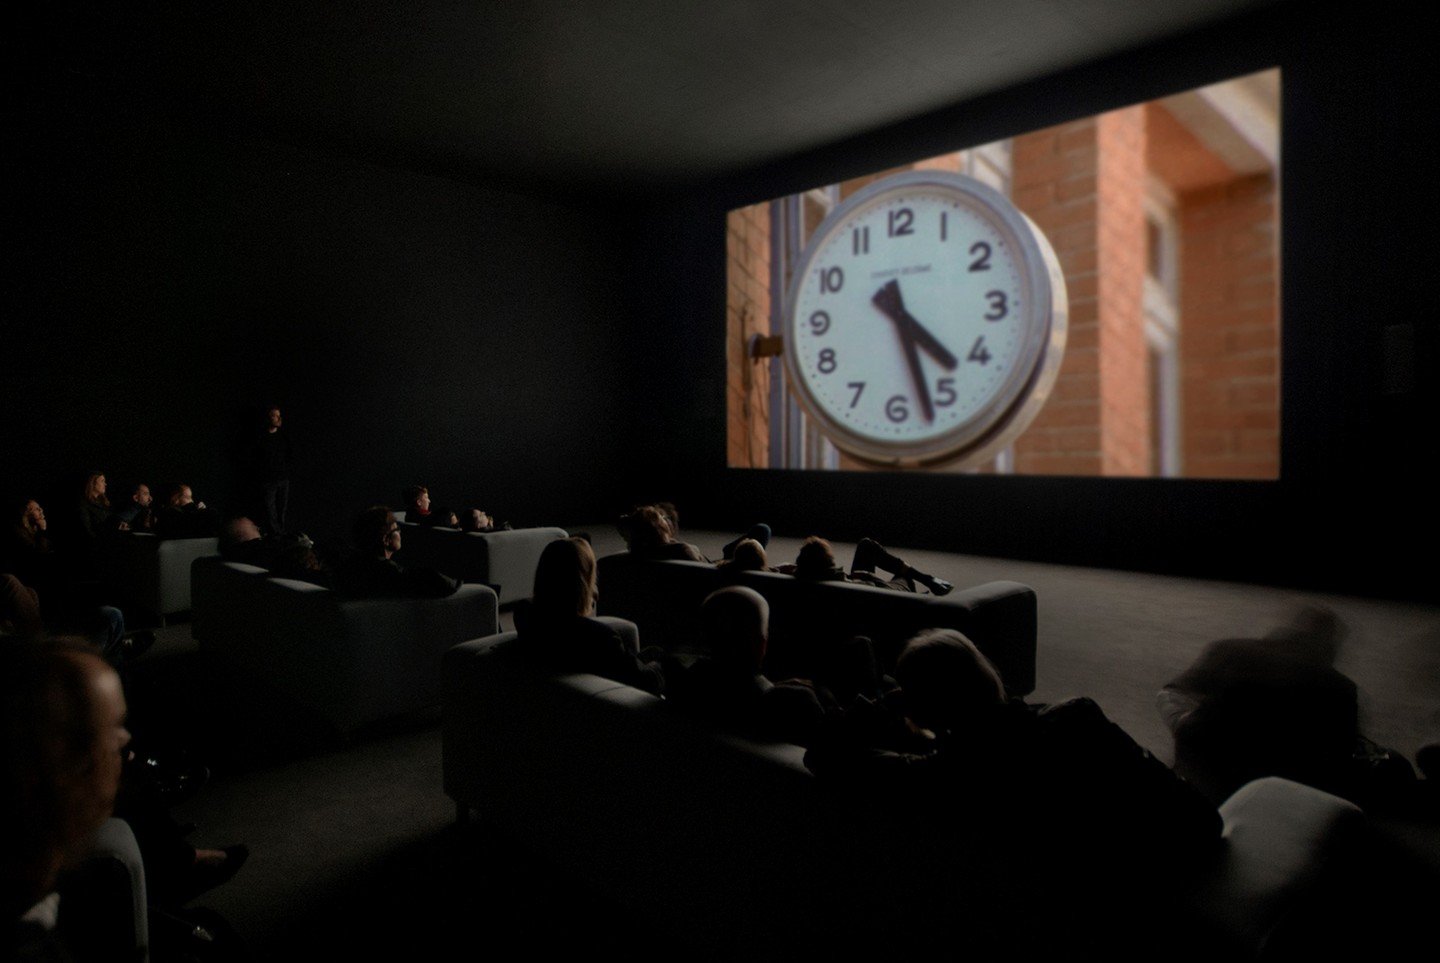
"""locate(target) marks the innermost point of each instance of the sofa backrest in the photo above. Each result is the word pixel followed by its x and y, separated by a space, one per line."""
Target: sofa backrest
pixel 503 560
pixel 663 598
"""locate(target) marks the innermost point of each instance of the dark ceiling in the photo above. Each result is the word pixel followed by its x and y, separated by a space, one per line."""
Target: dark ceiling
pixel 600 93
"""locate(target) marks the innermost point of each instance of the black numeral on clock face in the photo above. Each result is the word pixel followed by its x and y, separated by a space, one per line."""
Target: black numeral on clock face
pixel 827 363
pixel 901 222
pixel 944 226
pixel 819 323
pixel 945 393
pixel 978 351
pixel 981 252
pixel 999 306
pixel 831 280
pixel 859 387
pixel 897 409
pixel 860 240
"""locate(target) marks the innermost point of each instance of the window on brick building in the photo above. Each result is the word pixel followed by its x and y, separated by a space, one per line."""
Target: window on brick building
pixel 1162 329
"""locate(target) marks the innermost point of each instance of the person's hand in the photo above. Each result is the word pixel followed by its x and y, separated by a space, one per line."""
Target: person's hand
pixel 124 526
pixel 200 506
pixel 454 520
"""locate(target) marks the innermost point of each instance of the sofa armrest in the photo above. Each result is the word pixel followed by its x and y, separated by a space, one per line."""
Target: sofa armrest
pixel 1003 623
pixel 103 911
pixel 1279 838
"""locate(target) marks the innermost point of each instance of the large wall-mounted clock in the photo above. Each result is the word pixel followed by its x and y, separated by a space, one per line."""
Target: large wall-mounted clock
pixel 925 322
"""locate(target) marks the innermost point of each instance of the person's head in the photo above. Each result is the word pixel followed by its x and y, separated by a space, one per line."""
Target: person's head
pixel 565 579
pixel 736 626
pixel 94 490
pixel 141 495
pixel 646 527
pixel 376 532
pixel 32 516
pixel 237 531
pixel 1313 635
pixel 747 556
pixel 946 680
pixel 64 736
pixel 672 516
pixel 816 557
pixel 416 498
pixel 272 418
pixel 180 496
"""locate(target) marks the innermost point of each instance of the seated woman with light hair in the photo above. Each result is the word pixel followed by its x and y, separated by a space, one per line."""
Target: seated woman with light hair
pixel 558 629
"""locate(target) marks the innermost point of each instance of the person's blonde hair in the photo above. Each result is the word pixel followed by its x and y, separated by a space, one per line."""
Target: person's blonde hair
pixel 565 579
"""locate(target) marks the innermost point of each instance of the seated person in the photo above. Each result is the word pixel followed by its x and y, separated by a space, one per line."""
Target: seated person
pixel 68 604
pixel 557 628
pixel 371 570
pixel 136 513
pixel 286 556
pixel 1277 705
pixel 1002 783
pixel 420 511
pixel 727 684
pixel 19 609
pixel 649 533
pixel 183 517
pixel 1063 765
pixel 63 740
pixel 816 562
pixel 91 525
pixel 747 555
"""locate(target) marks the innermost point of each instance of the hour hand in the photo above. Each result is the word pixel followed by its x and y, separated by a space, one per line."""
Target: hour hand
pixel 888 299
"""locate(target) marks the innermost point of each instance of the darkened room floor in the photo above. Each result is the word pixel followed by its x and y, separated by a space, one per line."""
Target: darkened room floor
pixel 354 846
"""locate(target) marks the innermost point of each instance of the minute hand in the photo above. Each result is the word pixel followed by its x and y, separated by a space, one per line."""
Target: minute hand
pixel 930 343
pixel 888 300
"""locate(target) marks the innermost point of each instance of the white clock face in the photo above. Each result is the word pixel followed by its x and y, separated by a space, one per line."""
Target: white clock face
pixel 921 319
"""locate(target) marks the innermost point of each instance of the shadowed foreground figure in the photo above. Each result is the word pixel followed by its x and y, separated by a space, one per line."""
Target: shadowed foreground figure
pixel 995 784
pixel 1278 706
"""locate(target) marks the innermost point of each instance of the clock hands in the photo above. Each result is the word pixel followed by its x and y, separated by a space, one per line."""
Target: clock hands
pixel 913 336
pixel 888 299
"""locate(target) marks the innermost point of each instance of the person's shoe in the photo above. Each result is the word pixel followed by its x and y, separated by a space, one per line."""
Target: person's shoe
pixel 209 873
pixel 937 586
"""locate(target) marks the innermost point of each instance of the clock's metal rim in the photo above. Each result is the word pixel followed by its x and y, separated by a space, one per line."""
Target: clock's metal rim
pixel 1028 384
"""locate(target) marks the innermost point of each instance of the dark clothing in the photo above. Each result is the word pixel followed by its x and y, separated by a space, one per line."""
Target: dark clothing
pixel 271 461
pixel 273 456
pixel 139 518
pixel 748 703
pixel 276 496
pixel 581 644
pixel 1063 779
pixel 430 519
pixel 373 576
pixel 186 521
pixel 19 608
pixel 672 551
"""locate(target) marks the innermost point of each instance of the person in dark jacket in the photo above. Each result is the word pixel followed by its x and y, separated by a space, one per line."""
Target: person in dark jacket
pixel 372 572
pixel 728 685
pixel 271 461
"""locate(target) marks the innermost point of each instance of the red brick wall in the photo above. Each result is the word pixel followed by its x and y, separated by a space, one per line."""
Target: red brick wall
pixel 1230 330
pixel 1054 175
pixel 747 313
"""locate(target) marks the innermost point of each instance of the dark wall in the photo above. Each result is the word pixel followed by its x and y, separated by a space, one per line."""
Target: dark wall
pixel 166 279
pixel 1358 336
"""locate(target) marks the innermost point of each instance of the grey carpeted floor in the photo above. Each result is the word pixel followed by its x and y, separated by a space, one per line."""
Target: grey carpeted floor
pixel 354 847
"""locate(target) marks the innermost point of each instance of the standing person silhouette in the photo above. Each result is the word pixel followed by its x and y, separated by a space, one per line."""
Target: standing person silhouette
pixel 272 460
